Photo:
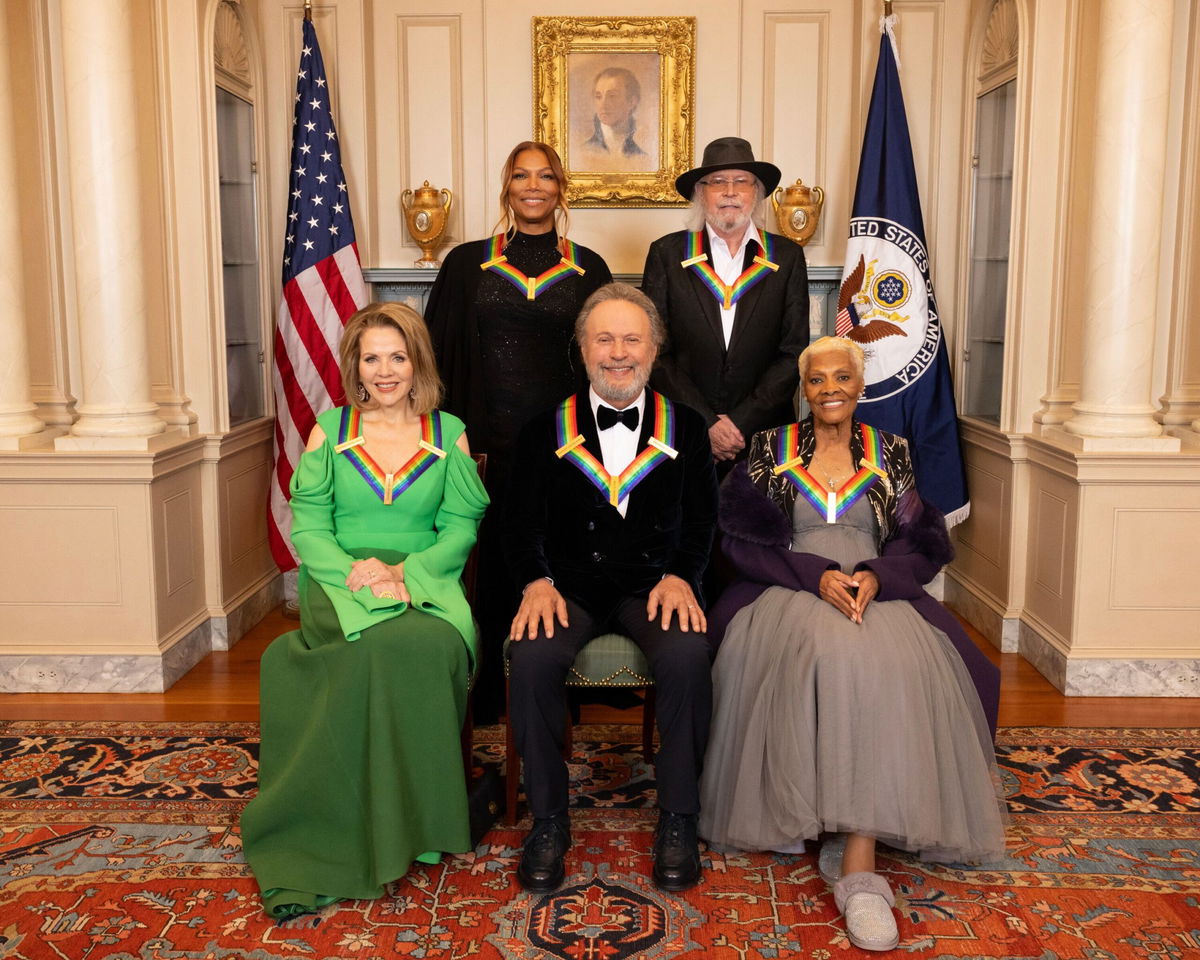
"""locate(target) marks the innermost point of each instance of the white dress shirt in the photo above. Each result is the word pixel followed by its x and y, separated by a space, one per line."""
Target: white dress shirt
pixel 619 444
pixel 728 266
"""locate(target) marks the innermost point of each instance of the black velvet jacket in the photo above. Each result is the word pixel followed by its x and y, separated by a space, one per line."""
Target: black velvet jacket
pixel 558 525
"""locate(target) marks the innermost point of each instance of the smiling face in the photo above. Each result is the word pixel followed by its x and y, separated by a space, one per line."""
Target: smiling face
pixel 728 197
pixel 618 351
pixel 384 367
pixel 533 192
pixel 832 386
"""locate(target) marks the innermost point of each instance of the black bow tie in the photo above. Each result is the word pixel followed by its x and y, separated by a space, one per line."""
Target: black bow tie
pixel 608 417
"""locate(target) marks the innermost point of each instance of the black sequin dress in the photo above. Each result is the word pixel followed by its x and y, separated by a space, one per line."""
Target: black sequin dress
pixel 505 358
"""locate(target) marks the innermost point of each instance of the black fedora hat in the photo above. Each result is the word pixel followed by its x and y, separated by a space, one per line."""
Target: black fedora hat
pixel 729 153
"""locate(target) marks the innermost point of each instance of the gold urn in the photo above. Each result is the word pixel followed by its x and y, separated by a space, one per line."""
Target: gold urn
pixel 799 212
pixel 426 211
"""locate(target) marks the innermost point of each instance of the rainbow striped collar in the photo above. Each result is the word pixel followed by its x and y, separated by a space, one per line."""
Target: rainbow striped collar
pixel 829 503
pixel 389 486
pixel 762 265
pixel 659 448
pixel 531 286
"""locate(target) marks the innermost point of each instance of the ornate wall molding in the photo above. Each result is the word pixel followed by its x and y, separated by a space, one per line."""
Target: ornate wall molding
pixel 230 55
pixel 998 64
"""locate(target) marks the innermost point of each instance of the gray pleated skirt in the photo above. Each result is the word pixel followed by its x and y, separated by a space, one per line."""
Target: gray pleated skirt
pixel 824 725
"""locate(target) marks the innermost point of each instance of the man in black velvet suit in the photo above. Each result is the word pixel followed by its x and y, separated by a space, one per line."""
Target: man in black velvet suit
pixel 734 300
pixel 609 523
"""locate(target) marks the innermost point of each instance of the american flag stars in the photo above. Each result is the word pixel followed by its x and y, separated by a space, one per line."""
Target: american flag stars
pixel 318 224
pixel 322 285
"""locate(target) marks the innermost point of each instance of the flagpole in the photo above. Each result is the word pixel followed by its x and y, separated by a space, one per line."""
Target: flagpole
pixel 887 7
pixel 308 9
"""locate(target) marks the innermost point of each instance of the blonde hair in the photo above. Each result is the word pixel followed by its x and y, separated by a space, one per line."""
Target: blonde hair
pixel 561 214
pixel 833 345
pixel 426 386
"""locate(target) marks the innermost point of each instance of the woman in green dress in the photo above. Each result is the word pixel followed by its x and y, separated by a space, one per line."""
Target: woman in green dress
pixel 361 708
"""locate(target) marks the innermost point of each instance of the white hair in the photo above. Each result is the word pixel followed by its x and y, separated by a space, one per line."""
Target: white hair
pixel 695 213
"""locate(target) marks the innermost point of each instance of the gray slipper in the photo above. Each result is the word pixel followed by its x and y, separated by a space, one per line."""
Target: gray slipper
pixel 866 901
pixel 829 860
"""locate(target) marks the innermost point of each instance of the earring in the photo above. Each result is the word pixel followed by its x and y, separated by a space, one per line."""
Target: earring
pixel 363 396
pixel 412 394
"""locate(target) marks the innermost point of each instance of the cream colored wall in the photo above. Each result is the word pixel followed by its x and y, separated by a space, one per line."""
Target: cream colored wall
pixel 1065 552
pixel 440 91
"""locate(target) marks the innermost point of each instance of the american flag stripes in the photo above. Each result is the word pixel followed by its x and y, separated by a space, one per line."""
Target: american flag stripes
pixel 322 286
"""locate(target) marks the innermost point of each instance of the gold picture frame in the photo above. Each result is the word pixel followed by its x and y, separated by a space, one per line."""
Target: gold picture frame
pixel 615 97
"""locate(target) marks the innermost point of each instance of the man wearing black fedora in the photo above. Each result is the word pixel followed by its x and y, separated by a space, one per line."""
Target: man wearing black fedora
pixel 734 299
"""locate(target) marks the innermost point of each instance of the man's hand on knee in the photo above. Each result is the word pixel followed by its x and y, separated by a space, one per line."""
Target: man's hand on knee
pixel 674 595
pixel 541 605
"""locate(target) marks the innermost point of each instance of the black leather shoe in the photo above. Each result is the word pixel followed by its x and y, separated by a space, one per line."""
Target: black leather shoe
pixel 676 851
pixel 541 866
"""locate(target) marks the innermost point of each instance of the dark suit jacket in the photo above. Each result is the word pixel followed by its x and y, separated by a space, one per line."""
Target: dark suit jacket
pixel 754 381
pixel 558 525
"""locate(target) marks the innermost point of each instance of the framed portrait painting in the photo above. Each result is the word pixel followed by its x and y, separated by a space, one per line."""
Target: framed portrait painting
pixel 614 97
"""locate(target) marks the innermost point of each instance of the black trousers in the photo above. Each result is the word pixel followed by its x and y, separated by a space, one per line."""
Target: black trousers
pixel 537 707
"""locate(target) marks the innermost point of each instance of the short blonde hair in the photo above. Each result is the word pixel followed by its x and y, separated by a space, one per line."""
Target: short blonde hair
pixel 834 345
pixel 427 385
pixel 561 214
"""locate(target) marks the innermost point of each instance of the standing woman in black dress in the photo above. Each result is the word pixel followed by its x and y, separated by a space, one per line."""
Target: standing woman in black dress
pixel 502 316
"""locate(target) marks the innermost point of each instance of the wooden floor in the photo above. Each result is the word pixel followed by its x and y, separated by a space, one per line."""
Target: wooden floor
pixel 224 686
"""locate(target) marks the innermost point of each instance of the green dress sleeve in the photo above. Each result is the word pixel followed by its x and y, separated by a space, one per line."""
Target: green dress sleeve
pixel 323 558
pixel 426 572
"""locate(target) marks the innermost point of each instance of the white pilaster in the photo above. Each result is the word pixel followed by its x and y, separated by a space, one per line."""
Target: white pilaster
pixel 116 409
pixel 18 425
pixel 1129 135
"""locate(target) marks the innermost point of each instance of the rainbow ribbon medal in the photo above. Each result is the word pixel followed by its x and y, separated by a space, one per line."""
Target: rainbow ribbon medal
pixel 531 286
pixel 759 267
pixel 659 448
pixel 389 486
pixel 831 503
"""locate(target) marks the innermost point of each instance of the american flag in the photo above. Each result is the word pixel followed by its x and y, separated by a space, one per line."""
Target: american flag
pixel 322 286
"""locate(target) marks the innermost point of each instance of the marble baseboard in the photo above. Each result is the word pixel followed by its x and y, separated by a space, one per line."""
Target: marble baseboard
pixel 1047 659
pixel 107 673
pixel 1079 677
pixel 1003 632
pixel 100 673
pixel 229 629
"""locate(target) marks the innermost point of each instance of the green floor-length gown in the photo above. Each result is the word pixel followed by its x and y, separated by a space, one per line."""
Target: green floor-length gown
pixel 361 708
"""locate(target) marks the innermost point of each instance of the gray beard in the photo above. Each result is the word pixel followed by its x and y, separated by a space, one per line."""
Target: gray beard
pixel 617 395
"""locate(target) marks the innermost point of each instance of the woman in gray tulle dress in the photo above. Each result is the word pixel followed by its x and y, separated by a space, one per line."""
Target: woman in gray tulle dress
pixel 839 707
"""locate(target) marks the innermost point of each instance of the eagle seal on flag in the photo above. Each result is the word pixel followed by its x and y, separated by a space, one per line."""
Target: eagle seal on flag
pixel 886 302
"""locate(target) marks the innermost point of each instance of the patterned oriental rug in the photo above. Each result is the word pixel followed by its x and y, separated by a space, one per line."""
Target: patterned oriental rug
pixel 120 840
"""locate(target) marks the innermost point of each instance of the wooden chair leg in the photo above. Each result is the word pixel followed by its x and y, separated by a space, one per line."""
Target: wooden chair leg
pixel 648 726
pixel 512 764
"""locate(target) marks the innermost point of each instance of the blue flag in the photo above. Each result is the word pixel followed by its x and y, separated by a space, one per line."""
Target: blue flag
pixel 886 303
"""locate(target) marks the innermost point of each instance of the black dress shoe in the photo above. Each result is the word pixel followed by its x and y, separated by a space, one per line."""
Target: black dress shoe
pixel 676 851
pixel 541 866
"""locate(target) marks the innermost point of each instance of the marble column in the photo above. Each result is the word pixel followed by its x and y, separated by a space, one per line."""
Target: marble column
pixel 100 99
pixel 1128 141
pixel 18 423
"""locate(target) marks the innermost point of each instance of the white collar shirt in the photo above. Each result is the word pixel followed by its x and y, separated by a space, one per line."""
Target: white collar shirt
pixel 619 444
pixel 728 266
